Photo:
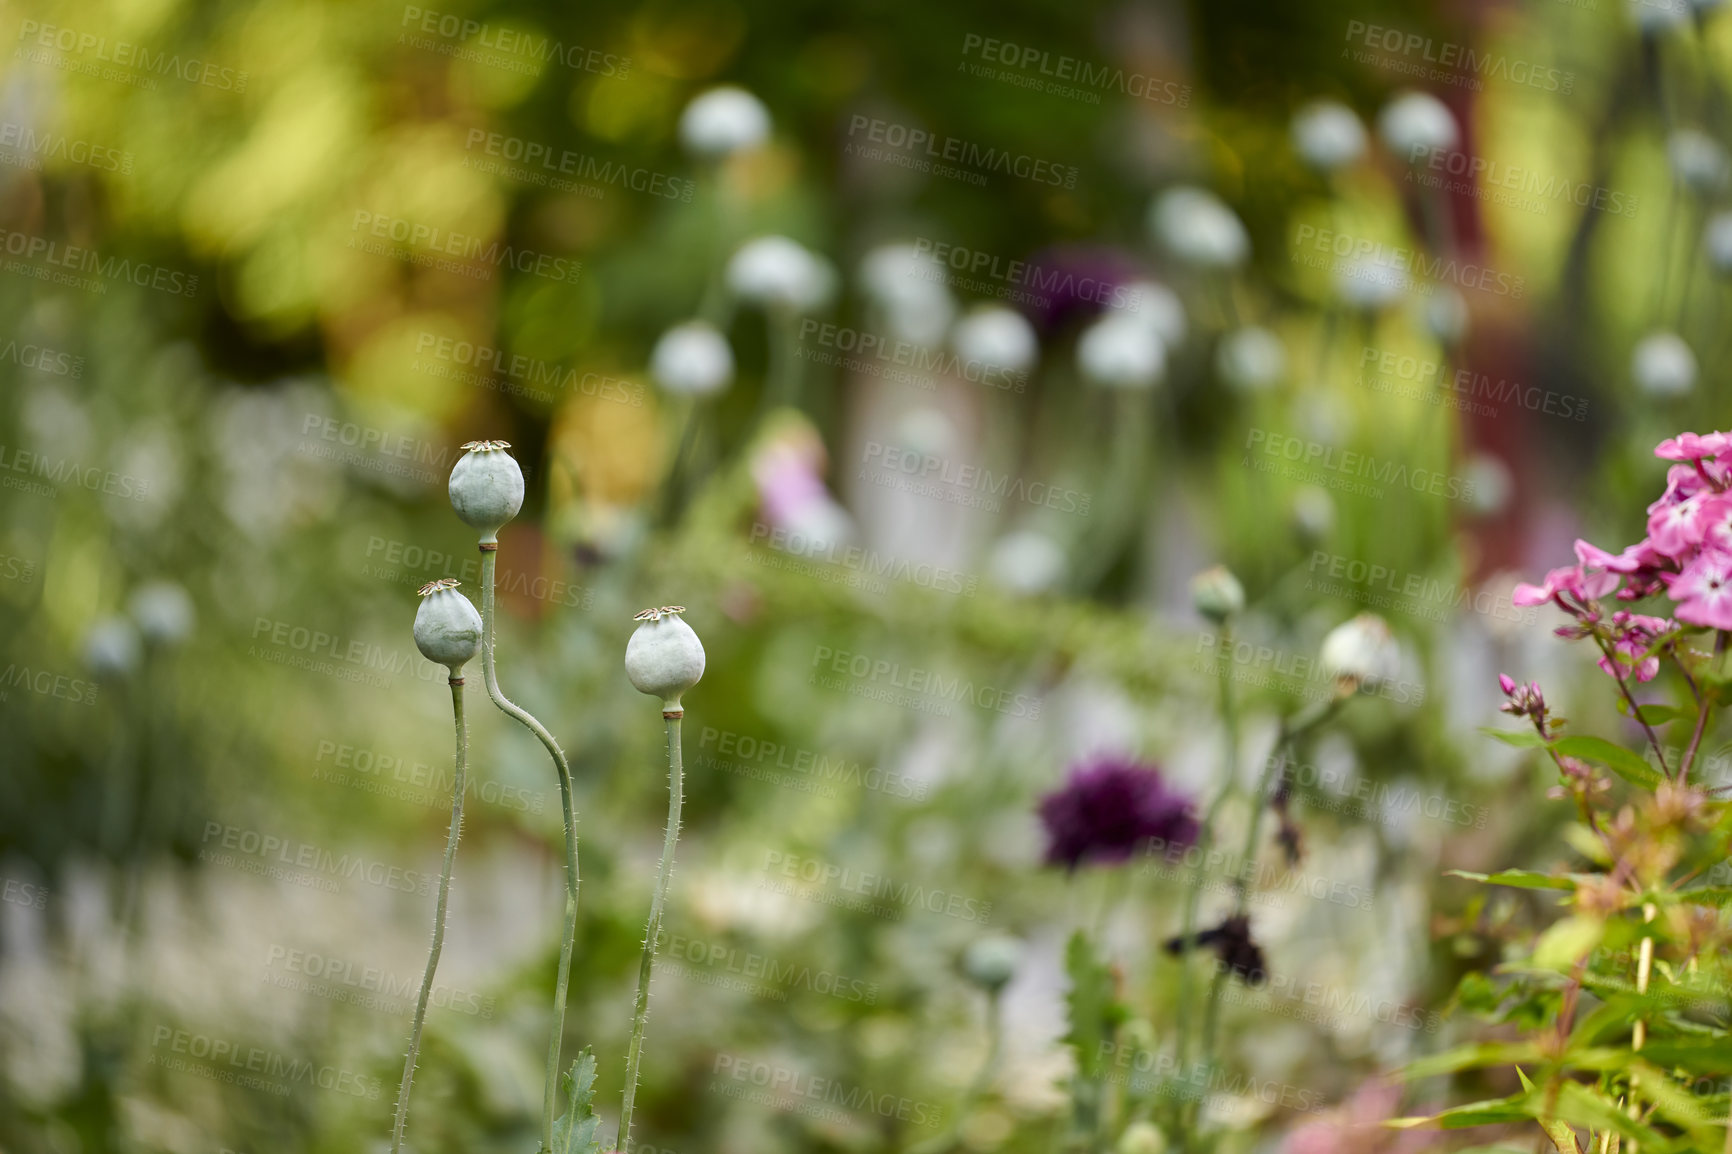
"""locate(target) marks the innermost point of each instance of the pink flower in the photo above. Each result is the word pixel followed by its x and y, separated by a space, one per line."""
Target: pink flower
pixel 1693 446
pixel 1703 590
pixel 1636 633
pixel 1588 580
pixel 1677 530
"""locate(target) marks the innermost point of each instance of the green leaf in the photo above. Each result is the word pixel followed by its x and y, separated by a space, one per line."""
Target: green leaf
pixel 574 1133
pixel 1707 896
pixel 1627 765
pixel 1472 1056
pixel 1095 1011
pixel 1566 941
pixel 1520 738
pixel 1521 879
pixel 1511 1109
pixel 1654 714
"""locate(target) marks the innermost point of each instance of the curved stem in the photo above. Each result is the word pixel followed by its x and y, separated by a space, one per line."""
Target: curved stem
pixel 458 785
pixel 550 1094
pixel 664 872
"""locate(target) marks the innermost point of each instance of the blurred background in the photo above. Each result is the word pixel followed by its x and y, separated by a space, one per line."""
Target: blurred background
pixel 925 363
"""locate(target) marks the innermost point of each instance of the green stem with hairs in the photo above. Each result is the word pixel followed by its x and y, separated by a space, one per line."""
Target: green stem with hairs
pixel 458 785
pixel 550 1094
pixel 671 716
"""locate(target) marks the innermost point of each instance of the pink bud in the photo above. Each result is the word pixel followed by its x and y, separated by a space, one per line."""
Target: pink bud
pixel 1506 683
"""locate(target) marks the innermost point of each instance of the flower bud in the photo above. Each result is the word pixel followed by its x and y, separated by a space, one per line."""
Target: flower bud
pixel 997 337
pixel 1217 594
pixel 1360 654
pixel 664 658
pixel 992 961
pixel 486 487
pixel 447 627
pixel 692 359
pixel 1196 226
pixel 1141 1138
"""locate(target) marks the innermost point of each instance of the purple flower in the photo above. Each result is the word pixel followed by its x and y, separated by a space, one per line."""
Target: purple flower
pixel 1109 808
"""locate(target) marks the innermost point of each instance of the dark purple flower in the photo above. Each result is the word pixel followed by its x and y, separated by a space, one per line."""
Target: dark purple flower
pixel 1112 806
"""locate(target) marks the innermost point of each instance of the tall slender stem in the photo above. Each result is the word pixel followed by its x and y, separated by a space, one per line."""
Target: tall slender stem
pixel 550 1094
pixel 664 872
pixel 1704 708
pixel 1629 699
pixel 458 785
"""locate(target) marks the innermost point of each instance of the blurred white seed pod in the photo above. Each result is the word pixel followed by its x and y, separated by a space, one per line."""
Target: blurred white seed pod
pixel 1027 561
pixel 1415 123
pixel 723 121
pixel 1445 315
pixel 1365 284
pixel 913 290
pixel 1698 161
pixel 447 627
pixel 991 962
pixel 1717 242
pixel 664 657
pixel 1489 482
pixel 1159 307
pixel 486 487
pixel 1216 594
pixel 1197 227
pixel 111 648
pixel 1251 359
pixel 1121 352
pixel 1141 1138
pixel 1361 653
pixel 1328 135
pixel 1313 513
pixel 1663 365
pixel 163 611
pixel 997 336
pixel 692 359
pixel 774 271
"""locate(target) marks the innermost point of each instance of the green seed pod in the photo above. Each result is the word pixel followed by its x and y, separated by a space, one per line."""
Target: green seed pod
pixel 486 487
pixel 1217 594
pixel 992 961
pixel 447 627
pixel 664 658
pixel 1142 1138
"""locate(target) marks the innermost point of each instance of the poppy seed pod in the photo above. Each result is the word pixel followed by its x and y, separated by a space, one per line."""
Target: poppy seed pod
pixel 447 627
pixel 1141 1138
pixel 486 487
pixel 1217 594
pixel 664 658
pixel 992 961
pixel 1360 654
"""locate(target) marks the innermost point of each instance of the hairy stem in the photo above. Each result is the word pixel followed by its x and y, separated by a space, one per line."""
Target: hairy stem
pixel 457 787
pixel 550 1094
pixel 664 872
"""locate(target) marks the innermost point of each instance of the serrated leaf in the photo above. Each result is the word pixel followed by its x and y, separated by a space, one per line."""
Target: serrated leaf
pixel 1095 1011
pixel 1521 879
pixel 574 1132
pixel 1627 765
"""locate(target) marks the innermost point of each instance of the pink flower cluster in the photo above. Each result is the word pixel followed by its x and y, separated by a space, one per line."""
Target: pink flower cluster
pixel 1687 555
